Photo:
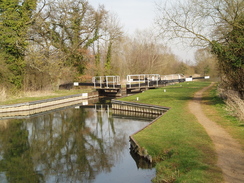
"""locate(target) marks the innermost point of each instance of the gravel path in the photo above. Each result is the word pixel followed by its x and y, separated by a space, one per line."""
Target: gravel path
pixel 230 155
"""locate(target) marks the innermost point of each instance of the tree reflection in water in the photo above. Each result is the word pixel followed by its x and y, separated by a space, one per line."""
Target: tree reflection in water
pixel 72 145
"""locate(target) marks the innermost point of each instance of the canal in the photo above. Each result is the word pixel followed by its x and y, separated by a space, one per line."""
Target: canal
pixel 86 144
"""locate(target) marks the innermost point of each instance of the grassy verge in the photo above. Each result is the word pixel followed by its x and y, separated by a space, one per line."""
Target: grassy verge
pixel 41 95
pixel 178 143
pixel 215 108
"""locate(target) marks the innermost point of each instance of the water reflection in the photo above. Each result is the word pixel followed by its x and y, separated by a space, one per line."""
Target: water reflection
pixel 70 145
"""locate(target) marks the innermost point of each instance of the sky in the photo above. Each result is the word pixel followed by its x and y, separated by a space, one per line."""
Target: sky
pixel 139 15
pixel 133 14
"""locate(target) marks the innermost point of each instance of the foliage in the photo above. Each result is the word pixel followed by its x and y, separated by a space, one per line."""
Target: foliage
pixel 230 55
pixel 108 61
pixel 16 17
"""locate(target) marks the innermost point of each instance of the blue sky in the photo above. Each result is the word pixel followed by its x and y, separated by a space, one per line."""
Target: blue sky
pixel 139 14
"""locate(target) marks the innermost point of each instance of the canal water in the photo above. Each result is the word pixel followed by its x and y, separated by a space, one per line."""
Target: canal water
pixel 86 144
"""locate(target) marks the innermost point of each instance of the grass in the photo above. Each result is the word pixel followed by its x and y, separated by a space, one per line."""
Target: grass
pixel 41 95
pixel 177 142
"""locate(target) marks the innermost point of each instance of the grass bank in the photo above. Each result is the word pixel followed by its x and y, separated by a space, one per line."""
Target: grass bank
pixel 41 95
pixel 177 142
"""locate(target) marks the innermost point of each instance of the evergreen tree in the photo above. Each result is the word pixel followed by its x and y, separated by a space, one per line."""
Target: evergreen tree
pixel 15 19
pixel 230 55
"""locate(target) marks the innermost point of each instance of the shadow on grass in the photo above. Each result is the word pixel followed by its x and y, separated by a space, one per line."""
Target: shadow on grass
pixel 213 101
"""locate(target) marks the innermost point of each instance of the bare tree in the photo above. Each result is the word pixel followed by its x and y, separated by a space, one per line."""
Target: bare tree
pixel 146 54
pixel 205 63
pixel 105 48
pixel 70 27
pixel 198 21
pixel 218 24
pixel 112 33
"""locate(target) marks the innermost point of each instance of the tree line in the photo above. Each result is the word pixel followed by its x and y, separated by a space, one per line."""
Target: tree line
pixel 50 42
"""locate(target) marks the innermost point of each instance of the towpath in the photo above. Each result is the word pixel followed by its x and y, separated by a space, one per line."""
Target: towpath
pixel 229 152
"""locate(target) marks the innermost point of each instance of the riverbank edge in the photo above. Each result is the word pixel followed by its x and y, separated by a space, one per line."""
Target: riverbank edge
pixel 137 149
pixel 33 107
pixel 140 108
